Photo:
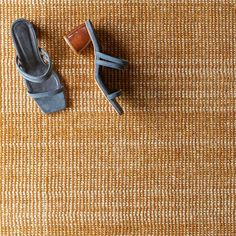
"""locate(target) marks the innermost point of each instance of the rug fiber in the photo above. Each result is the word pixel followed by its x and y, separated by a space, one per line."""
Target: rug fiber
pixel 167 166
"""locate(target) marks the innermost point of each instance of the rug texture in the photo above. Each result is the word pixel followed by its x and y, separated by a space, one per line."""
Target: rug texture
pixel 167 166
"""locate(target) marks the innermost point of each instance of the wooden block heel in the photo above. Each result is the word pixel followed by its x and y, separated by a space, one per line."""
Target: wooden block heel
pixel 78 39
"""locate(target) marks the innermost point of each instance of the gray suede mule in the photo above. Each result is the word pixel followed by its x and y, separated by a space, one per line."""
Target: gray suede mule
pixel 78 39
pixel 34 64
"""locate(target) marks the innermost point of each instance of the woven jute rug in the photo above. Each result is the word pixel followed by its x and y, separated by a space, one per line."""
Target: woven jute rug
pixel 167 166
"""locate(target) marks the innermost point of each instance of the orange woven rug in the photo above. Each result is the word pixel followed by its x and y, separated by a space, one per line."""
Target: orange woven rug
pixel 167 166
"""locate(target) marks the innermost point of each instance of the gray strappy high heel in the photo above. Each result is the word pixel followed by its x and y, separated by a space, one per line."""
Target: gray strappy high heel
pixel 78 40
pixel 34 64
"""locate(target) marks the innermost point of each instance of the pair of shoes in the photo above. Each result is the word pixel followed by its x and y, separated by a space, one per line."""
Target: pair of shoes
pixel 42 81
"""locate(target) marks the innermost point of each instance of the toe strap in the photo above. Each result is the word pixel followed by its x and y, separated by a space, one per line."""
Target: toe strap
pixel 113 95
pixel 46 94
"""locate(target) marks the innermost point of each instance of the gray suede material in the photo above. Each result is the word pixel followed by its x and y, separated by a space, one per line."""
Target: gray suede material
pixel 105 61
pixel 35 67
pixel 51 104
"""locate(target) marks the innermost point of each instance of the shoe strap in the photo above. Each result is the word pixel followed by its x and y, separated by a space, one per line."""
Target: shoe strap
pixel 113 95
pixel 46 94
pixel 40 78
pixel 105 60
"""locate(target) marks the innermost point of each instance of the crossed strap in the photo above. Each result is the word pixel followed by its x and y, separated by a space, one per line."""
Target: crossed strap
pixel 40 78
pixel 105 60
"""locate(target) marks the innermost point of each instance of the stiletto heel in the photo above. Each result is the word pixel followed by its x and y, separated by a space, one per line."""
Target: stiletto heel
pixel 78 39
